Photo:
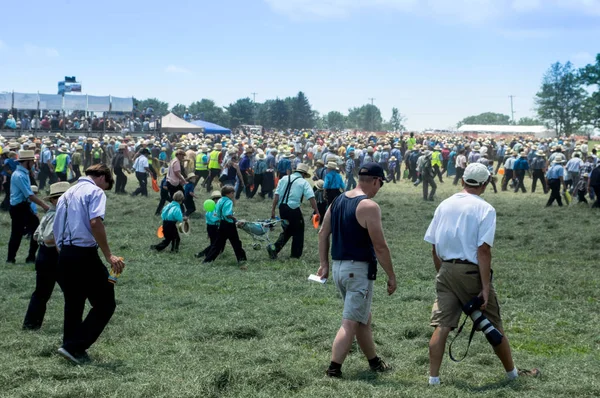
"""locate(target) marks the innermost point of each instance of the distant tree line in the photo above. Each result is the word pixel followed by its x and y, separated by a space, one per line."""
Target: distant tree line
pixel 291 112
pixel 568 101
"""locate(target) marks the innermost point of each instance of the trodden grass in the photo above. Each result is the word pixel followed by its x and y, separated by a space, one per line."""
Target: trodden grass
pixel 183 329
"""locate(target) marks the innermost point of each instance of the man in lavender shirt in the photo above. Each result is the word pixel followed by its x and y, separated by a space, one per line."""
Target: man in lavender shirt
pixel 79 231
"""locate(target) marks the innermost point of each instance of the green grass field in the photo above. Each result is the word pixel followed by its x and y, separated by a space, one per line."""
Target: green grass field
pixel 183 329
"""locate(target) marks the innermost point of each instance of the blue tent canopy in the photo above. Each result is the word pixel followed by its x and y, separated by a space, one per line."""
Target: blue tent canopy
pixel 211 128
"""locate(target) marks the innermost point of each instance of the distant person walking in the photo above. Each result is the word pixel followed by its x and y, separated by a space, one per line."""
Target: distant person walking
pixel 353 222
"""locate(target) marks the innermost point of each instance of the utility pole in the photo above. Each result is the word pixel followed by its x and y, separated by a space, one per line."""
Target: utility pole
pixel 512 109
pixel 254 97
pixel 254 107
pixel 371 99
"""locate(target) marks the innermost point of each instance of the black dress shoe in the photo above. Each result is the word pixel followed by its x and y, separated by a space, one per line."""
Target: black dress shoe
pixel 30 260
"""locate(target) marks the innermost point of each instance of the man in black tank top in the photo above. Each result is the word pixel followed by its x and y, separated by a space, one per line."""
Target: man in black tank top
pixel 354 223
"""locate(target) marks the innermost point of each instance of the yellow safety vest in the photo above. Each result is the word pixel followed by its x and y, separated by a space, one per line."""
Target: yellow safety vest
pixel 214 160
pixel 200 164
pixel 436 158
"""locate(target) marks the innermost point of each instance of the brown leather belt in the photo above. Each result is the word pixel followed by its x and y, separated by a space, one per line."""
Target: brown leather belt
pixel 459 261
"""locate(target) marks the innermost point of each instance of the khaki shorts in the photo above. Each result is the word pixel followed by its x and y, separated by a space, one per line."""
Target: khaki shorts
pixel 350 278
pixel 456 284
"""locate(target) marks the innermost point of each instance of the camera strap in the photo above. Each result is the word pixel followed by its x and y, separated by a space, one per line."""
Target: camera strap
pixel 473 330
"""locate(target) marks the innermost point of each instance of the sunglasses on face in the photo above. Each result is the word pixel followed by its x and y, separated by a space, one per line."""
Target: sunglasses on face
pixel 380 182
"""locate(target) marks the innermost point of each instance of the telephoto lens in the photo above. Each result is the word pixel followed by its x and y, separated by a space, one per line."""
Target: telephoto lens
pixel 480 321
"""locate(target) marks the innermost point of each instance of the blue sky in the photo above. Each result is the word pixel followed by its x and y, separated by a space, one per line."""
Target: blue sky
pixel 438 61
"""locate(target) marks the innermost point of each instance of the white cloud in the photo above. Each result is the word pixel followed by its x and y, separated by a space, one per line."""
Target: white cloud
pixel 36 51
pixel 176 69
pixel 473 11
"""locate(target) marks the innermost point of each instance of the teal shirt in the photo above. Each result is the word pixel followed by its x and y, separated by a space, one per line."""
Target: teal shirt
pixel 301 189
pixel 211 218
pixel 224 209
pixel 172 212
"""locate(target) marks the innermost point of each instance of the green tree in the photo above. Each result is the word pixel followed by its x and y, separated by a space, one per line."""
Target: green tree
pixel 241 112
pixel 179 110
pixel 336 120
pixel 366 118
pixel 160 108
pixel 280 114
pixel 301 115
pixel 486 118
pixel 561 98
pixel 397 120
pixel 590 76
pixel 529 121
pixel 208 111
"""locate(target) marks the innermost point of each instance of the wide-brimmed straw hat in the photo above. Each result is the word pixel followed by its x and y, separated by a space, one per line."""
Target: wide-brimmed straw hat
pixel 25 155
pixel 319 184
pixel 302 168
pixel 332 166
pixel 184 227
pixel 215 194
pixel 57 189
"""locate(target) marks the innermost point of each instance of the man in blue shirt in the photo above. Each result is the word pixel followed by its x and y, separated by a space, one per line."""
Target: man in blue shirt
pixel 398 155
pixel 46 169
pixel 350 166
pixel 555 176
pixel 288 197
pixel 284 166
pixel 245 169
pixel 22 217
pixel 520 167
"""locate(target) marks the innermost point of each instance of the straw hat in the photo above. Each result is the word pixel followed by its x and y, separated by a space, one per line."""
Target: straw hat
pixel 58 189
pixel 261 156
pixel 559 159
pixel 215 194
pixel 35 189
pixel 25 155
pixel 523 154
pixel 393 159
pixel 320 162
pixel 540 153
pixel 62 149
pixel 184 227
pixel 302 168
pixel 218 146
pixel 332 166
pixel 190 176
pixel 320 184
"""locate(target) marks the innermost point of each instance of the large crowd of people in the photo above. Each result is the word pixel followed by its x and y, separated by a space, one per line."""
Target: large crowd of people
pixel 338 173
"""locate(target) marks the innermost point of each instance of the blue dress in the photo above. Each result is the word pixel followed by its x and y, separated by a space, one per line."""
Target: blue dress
pixel 452 164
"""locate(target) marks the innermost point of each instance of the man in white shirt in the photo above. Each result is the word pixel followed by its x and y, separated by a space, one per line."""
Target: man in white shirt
pixel 142 168
pixel 462 235
pixel 508 170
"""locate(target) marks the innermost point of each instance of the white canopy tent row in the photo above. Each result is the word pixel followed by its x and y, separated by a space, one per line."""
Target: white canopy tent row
pixel 55 102
pixel 537 131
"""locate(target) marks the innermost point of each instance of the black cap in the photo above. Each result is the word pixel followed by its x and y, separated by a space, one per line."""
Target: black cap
pixel 371 169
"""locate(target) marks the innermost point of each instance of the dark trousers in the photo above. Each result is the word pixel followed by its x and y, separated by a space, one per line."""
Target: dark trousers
pixel 245 187
pixel 520 174
pixel 322 206
pixel 538 174
pixel 459 174
pixel 554 192
pixel 581 197
pixel 121 180
pixel 82 276
pixel 61 176
pixel 173 188
pixel 412 174
pixel 331 194
pixel 227 232
pixel 213 233
pixel 213 174
pixel 201 174
pixel 508 176
pixel 437 172
pixel 143 180
pixel 6 201
pixel 22 221
pixel 293 227
pixel 76 173
pixel 46 268
pixel 427 182
pixel 171 237
pixel 258 181
pixel 596 189
pixel 164 198
pixel 46 174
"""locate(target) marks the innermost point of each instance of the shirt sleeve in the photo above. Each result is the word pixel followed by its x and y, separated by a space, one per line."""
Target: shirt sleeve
pixel 487 229
pixel 97 205
pixel 430 234
pixel 308 192
pixel 279 189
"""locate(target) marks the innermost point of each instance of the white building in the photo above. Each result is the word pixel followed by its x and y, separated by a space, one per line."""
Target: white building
pixel 538 131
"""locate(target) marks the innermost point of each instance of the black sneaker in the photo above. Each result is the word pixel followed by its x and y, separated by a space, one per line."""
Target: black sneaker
pixel 30 260
pixel 337 373
pixel 69 356
pixel 200 255
pixel 380 367
pixel 272 252
pixel 11 262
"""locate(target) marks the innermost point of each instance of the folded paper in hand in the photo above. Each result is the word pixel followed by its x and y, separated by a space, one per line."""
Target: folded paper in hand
pixel 316 278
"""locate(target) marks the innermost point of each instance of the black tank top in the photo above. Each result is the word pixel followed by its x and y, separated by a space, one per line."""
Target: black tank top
pixel 350 240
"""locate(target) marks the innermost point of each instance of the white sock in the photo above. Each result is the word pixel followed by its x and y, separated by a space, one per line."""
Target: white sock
pixel 513 374
pixel 434 381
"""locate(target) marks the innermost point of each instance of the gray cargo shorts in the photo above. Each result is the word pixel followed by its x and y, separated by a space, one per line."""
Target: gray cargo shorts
pixel 350 278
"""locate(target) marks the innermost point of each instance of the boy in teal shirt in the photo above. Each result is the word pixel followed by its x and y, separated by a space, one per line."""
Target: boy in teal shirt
pixel 171 215
pixel 227 228
pixel 212 225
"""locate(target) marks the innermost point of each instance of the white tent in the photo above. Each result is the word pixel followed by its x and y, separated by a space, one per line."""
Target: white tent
pixel 173 124
pixel 538 131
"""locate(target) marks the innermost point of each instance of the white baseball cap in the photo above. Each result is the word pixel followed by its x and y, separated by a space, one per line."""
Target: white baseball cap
pixel 476 174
